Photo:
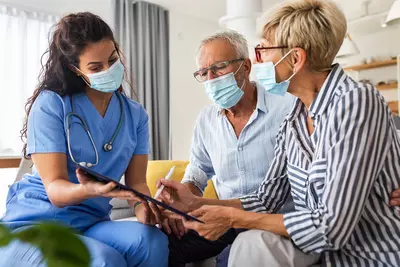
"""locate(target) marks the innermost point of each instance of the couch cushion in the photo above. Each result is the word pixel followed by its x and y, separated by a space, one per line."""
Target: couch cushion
pixel 159 168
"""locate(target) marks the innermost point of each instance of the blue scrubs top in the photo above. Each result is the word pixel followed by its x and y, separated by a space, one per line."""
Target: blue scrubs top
pixel 27 201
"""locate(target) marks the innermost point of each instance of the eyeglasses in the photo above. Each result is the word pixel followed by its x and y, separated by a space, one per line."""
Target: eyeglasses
pixel 218 69
pixel 259 48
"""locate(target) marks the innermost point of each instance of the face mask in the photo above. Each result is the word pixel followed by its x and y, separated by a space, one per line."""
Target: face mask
pixel 266 75
pixel 224 90
pixel 107 81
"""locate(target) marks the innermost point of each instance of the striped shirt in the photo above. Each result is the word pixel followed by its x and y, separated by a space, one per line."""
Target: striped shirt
pixel 340 177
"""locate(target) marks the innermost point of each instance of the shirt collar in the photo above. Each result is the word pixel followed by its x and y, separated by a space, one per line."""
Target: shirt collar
pixel 328 90
pixel 261 105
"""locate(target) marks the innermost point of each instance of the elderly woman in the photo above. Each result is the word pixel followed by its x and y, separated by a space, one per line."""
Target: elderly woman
pixel 337 154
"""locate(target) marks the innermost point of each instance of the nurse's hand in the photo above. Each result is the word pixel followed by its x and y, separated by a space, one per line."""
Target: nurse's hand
pixel 93 188
pixel 148 213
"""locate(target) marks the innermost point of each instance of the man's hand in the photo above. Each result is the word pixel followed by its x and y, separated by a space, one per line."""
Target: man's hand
pixel 178 195
pixel 217 221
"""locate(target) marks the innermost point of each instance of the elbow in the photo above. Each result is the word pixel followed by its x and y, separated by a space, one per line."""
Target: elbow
pixel 54 196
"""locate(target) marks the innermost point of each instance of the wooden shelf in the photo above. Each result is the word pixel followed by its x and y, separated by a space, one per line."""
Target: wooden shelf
pixel 394 106
pixel 387 86
pixel 373 65
pixel 9 163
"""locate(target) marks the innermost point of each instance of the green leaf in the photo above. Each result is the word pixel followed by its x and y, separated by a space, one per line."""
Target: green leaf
pixel 5 236
pixel 60 246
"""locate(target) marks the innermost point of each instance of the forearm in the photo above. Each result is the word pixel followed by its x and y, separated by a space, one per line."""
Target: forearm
pixel 201 201
pixel 142 188
pixel 63 193
pixel 268 222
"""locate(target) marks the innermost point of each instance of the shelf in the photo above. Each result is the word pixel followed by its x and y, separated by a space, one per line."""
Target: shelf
pixel 387 86
pixel 373 65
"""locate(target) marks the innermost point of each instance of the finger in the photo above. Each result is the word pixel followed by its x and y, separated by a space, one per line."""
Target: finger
pixel 107 188
pixel 396 193
pixel 158 183
pixel 189 225
pixel 156 212
pixel 174 228
pixel 82 178
pixel 167 198
pixel 147 212
pixel 171 184
pixel 199 212
pixel 395 202
pixel 166 227
pixel 181 227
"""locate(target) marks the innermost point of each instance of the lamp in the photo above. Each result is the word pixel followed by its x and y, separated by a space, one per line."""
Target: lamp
pixel 394 12
pixel 348 48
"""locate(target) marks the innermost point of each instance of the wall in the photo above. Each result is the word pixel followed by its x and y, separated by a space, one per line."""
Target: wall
pixel 187 95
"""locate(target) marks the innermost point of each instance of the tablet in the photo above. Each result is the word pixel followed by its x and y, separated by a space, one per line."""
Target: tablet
pixel 104 179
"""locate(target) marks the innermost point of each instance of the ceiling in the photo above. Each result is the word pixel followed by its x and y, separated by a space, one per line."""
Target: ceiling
pixel 213 10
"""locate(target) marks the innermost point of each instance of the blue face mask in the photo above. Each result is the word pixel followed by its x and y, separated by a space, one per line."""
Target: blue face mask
pixel 224 90
pixel 266 75
pixel 107 81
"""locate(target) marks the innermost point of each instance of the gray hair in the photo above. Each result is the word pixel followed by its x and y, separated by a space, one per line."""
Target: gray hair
pixel 235 39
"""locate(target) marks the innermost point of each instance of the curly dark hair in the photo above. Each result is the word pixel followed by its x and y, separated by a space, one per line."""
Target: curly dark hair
pixel 70 37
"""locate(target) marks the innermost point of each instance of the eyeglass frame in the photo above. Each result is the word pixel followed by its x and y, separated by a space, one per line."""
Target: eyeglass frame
pixel 259 48
pixel 227 62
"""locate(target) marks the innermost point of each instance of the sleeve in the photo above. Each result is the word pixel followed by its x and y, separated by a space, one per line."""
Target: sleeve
pixel 46 132
pixel 275 189
pixel 142 144
pixel 200 168
pixel 359 138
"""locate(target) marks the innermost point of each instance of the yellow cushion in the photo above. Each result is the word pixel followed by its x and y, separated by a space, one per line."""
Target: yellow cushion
pixel 159 168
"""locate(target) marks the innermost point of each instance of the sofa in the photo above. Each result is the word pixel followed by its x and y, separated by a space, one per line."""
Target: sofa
pixel 155 170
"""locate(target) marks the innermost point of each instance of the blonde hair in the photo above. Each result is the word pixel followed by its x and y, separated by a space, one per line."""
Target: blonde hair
pixel 317 26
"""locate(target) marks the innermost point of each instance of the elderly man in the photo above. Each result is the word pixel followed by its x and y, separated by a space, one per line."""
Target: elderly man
pixel 233 139
pixel 337 154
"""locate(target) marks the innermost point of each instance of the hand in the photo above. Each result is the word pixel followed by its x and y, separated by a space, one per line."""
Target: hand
pixel 148 213
pixel 217 221
pixel 173 226
pixel 97 189
pixel 178 195
pixel 395 200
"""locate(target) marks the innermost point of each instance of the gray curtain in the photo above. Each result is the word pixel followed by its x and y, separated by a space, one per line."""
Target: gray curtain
pixel 142 30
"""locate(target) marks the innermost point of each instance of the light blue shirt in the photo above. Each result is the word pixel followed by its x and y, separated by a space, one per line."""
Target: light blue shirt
pixel 238 164
pixel 27 200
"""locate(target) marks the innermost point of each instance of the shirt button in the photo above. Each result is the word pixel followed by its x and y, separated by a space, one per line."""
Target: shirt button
pixel 240 148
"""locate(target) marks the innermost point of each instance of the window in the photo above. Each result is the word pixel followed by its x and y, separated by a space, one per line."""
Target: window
pixel 24 38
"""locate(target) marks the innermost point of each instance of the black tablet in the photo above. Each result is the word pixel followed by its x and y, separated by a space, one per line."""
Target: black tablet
pixel 105 179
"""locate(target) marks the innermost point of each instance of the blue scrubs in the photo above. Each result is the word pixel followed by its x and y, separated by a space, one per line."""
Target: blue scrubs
pixel 110 243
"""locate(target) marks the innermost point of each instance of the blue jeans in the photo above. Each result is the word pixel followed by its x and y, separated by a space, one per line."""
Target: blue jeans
pixel 122 244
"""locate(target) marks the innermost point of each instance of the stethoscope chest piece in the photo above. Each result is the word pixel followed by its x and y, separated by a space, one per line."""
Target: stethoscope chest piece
pixel 107 147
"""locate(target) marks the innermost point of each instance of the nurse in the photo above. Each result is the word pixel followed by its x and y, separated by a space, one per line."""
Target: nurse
pixel 79 116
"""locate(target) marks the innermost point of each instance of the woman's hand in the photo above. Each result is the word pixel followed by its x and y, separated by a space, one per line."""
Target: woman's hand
pixel 93 188
pixel 217 221
pixel 178 195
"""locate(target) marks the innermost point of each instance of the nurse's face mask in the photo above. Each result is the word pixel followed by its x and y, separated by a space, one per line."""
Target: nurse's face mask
pixel 223 90
pixel 266 75
pixel 108 80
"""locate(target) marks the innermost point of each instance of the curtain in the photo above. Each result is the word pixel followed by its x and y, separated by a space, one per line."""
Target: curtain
pixel 24 38
pixel 142 30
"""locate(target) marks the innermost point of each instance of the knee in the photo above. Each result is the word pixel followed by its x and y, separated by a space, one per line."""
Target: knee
pixel 152 249
pixel 102 255
pixel 21 254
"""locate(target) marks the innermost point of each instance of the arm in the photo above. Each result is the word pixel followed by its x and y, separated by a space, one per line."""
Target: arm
pixel 359 137
pixel 200 168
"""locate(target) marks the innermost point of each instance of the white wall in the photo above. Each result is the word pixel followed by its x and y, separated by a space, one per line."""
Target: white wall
pixel 187 95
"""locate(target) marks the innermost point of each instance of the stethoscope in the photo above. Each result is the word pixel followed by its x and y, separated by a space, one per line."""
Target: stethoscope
pixel 107 146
